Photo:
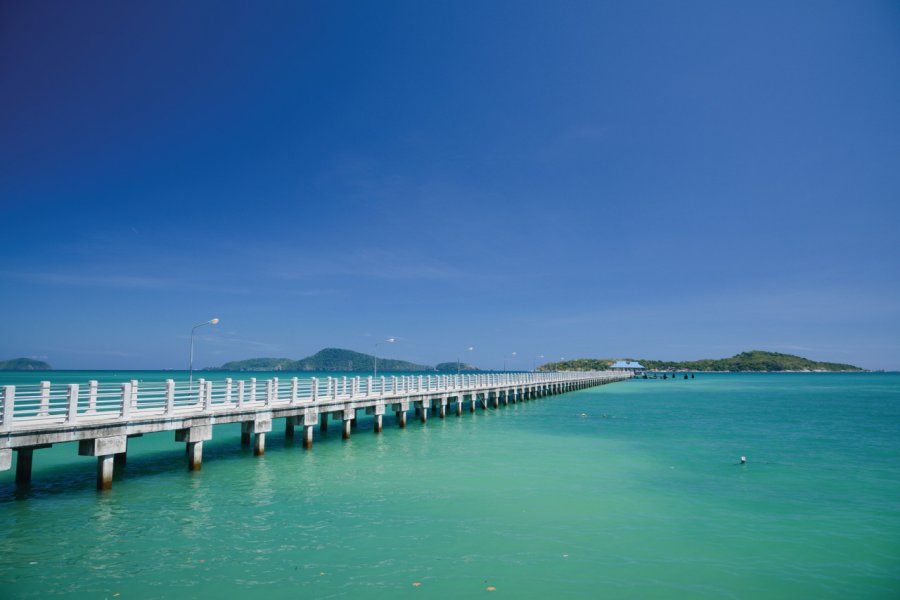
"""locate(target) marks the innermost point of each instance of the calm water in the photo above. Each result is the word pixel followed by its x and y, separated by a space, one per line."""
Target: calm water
pixel 631 490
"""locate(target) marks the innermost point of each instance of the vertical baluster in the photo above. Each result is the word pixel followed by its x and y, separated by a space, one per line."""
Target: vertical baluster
pixel 170 396
pixel 228 383
pixel 253 389
pixel 240 393
pixel 315 389
pixel 8 406
pixel 92 396
pixel 72 414
pixel 295 383
pixel 45 399
pixel 126 400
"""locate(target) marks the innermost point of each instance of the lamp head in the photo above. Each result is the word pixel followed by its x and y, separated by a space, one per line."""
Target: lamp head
pixel 391 340
pixel 214 321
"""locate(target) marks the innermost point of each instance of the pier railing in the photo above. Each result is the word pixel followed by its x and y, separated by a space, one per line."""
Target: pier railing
pixel 48 404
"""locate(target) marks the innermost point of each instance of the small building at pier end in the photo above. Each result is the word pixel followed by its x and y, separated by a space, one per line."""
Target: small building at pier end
pixel 628 365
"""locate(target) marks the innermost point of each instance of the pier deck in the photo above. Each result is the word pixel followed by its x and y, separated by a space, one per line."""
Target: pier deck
pixel 101 417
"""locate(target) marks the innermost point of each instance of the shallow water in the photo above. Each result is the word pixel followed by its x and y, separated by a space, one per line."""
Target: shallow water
pixel 630 490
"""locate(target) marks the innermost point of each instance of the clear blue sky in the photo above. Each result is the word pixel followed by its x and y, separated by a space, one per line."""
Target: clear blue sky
pixel 672 180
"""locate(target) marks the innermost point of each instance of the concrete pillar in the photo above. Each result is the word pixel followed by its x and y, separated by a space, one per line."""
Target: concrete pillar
pixel 496 399
pixel 443 412
pixel 105 472
pixel 474 398
pixel 323 422
pixel 354 422
pixel 348 423
pixel 23 465
pixel 195 455
pixel 378 423
pixel 418 411
pixel 424 413
pixel 459 403
pixel 307 436
pixel 289 427
pixel 401 418
pixel 259 444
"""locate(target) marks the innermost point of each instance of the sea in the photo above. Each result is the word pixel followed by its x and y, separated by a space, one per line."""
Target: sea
pixel 629 490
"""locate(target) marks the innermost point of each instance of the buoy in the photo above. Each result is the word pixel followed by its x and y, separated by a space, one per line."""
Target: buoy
pixel 743 459
pixel 491 588
pixel 417 583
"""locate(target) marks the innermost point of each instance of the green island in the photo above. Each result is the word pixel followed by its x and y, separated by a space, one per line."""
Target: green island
pixel 753 361
pixel 451 367
pixel 328 359
pixel 24 364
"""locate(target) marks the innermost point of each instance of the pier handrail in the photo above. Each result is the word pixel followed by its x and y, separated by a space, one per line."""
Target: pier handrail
pixel 33 406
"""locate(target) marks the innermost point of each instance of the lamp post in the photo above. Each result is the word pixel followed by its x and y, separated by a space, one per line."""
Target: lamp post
pixel 191 368
pixel 469 349
pixel 390 340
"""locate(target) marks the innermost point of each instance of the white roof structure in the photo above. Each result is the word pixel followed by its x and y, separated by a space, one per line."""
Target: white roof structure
pixel 627 364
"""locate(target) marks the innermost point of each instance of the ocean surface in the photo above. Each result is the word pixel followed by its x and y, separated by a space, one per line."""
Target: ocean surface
pixel 630 490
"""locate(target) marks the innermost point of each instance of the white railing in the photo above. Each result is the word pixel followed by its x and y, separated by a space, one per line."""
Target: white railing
pixel 47 404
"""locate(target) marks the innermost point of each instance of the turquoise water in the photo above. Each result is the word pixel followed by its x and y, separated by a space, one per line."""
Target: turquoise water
pixel 630 490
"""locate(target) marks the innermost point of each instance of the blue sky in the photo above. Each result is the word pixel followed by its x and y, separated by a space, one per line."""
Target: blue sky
pixel 575 179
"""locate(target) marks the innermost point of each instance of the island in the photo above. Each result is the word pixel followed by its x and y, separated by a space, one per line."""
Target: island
pixel 24 364
pixel 752 361
pixel 327 359
pixel 452 367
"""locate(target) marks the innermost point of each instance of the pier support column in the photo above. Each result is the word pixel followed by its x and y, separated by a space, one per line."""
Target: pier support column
pixel 496 399
pixel 459 403
pixel 105 472
pixel 378 423
pixel 348 424
pixel 472 403
pixel 323 422
pixel 443 413
pixel 401 418
pixel 423 414
pixel 5 459
pixel 245 438
pixel 194 455
pixel 24 458
pixel 259 443
pixel 307 436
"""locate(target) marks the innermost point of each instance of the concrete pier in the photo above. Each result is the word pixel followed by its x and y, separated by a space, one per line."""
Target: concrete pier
pixel 101 417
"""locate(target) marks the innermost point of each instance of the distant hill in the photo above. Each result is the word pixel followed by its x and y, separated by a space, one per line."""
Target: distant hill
pixel 328 359
pixel 450 367
pixel 24 364
pixel 755 360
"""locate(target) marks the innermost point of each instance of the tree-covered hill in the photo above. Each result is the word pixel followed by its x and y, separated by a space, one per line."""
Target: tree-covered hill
pixel 328 359
pixel 755 360
pixel 450 367
pixel 24 364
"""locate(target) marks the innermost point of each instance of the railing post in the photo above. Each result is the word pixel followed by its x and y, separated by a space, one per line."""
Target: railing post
pixel 228 390
pixel 126 400
pixel 382 385
pixel 201 394
pixel 45 399
pixel 7 403
pixel 253 389
pixel 134 393
pixel 315 389
pixel 394 383
pixel 92 396
pixel 273 392
pixel 72 413
pixel 240 393
pixel 170 396
pixel 369 385
pixel 295 383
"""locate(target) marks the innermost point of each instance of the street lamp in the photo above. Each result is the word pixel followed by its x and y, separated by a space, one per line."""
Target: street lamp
pixel 191 369
pixel 469 349
pixel 387 341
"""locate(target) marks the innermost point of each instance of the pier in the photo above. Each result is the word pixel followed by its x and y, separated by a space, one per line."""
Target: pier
pixel 101 417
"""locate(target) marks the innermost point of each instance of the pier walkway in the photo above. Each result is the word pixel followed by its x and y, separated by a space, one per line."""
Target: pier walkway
pixel 101 417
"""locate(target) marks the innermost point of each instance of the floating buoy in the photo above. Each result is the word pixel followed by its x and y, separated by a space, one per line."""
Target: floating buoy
pixel 491 588
pixel 417 583
pixel 743 459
